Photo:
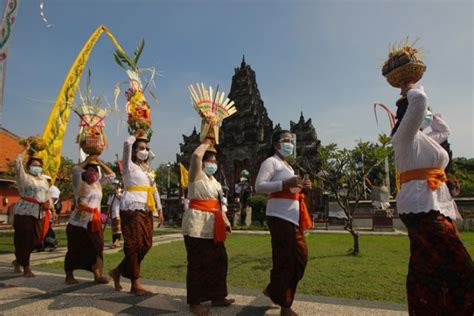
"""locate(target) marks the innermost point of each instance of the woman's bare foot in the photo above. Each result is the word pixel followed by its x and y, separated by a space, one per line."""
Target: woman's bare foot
pixel 139 290
pixel 102 280
pixel 27 273
pixel 116 244
pixel 115 275
pixel 287 311
pixel 70 280
pixel 16 267
pixel 223 302
pixel 199 310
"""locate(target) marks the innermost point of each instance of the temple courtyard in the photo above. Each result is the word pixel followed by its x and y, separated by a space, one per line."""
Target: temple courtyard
pixel 335 283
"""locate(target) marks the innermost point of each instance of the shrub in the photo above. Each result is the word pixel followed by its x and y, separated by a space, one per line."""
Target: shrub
pixel 258 203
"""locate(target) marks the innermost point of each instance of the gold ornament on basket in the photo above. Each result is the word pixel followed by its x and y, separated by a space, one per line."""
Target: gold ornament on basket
pixel 403 65
pixel 212 108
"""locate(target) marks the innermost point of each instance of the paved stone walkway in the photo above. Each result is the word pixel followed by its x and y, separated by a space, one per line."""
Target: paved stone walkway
pixel 47 294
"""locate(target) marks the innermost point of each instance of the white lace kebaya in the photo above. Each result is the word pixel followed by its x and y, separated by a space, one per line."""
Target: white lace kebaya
pixel 417 150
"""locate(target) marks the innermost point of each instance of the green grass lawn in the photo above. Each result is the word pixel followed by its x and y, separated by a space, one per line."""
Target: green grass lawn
pixel 378 273
pixel 6 238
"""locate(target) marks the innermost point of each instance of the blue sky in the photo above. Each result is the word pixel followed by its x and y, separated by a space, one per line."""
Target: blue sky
pixel 319 57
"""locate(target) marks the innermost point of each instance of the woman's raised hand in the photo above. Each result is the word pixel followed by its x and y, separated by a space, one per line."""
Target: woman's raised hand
pixel 139 132
pixel 208 141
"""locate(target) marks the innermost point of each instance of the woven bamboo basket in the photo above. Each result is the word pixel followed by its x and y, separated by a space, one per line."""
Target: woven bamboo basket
pixel 411 72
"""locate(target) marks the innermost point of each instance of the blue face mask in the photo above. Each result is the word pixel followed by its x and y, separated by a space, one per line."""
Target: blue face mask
pixel 428 119
pixel 210 168
pixel 286 149
pixel 35 170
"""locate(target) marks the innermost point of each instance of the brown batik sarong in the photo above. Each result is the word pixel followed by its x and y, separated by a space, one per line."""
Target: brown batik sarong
pixel 137 230
pixel 289 256
pixel 116 229
pixel 83 247
pixel 440 277
pixel 206 278
pixel 28 236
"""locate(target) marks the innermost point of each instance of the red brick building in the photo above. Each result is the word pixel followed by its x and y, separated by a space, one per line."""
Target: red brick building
pixel 9 150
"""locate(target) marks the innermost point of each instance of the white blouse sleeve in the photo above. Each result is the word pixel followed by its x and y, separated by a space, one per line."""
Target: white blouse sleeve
pixel 410 125
pixel 195 166
pixel 77 179
pixel 157 197
pixel 107 179
pixel 20 173
pixel 439 129
pixel 127 153
pixel 264 183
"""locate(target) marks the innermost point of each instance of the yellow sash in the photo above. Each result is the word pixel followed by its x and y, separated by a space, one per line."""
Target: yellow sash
pixel 151 203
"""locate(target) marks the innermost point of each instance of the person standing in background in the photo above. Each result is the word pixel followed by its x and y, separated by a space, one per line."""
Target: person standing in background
pixel 114 214
pixel 50 240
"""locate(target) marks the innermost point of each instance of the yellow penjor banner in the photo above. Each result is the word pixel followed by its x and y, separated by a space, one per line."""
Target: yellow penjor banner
pixel 183 176
pixel 56 125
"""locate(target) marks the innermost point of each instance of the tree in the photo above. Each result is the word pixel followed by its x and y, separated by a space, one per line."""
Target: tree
pixel 162 177
pixel 343 171
pixel 64 178
pixel 464 172
pixel 258 202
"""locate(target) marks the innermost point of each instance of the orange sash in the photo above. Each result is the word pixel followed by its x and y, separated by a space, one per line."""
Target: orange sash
pixel 434 176
pixel 96 224
pixel 212 206
pixel 47 214
pixel 305 220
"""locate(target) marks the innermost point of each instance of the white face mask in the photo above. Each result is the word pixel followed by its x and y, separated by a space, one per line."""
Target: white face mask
pixel 286 149
pixel 151 155
pixel 142 154
pixel 427 120
pixel 36 170
pixel 210 168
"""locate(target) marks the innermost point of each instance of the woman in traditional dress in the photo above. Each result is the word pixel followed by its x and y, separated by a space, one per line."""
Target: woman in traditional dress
pixel 441 273
pixel 31 212
pixel 140 202
pixel 84 231
pixel 440 277
pixel 287 219
pixel 204 229
pixel 114 213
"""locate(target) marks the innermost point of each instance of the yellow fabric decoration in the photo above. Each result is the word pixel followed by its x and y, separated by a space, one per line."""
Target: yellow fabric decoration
pixel 151 203
pixel 183 176
pixel 56 125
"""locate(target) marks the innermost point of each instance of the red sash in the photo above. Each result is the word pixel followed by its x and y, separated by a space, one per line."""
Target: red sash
pixel 305 220
pixel 47 214
pixel 212 206
pixel 96 223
